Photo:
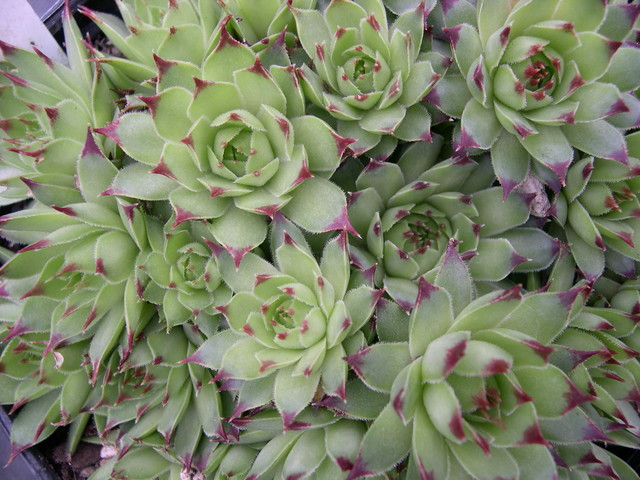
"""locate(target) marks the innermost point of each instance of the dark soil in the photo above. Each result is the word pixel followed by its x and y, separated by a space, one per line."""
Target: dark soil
pixel 81 465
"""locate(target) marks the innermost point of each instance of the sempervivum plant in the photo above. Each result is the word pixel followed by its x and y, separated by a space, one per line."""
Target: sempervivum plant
pixel 368 75
pixel 160 29
pixel 46 108
pixel 259 27
pixel 540 78
pixel 300 239
pixel 180 274
pixel 475 393
pixel 598 209
pixel 290 326
pixel 230 142
pixel 70 260
pixel 407 213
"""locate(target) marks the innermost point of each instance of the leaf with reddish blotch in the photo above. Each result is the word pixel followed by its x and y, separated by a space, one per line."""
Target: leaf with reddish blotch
pixel 306 455
pixel 167 348
pixel 589 258
pixel 573 427
pixel 334 372
pixel 430 450
pixel 143 427
pixel 403 291
pixel 343 440
pixel 77 52
pixel 593 55
pixel 135 133
pixel 361 303
pixel 487 311
pixel 519 428
pixel 239 232
pixel 33 423
pixel 335 264
pixel 29 260
pixel 497 464
pixel 143 462
pixel 211 352
pixel 338 324
pixel 443 354
pixel 544 316
pixel 453 275
pixel 208 406
pixel 406 391
pixel 238 309
pixel 553 393
pixel 510 161
pixel 386 442
pixel 93 214
pixel 105 339
pixel 525 350
pixel 379 365
pixel 496 259
pixel 293 393
pixel 95 172
pixel 551 148
pixel 483 359
pixel 445 411
pixel 175 402
pixel 239 361
pixel 623 69
pixel 138 181
pixel 115 265
pixel 272 453
pixel 431 317
pixel 297 262
pixel 480 128
pixel 303 207
pixel 598 138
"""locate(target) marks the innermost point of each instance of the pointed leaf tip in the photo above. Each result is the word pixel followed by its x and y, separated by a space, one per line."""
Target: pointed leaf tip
pixel 215 248
pixel 341 222
pixel 110 131
pixel 575 397
pixel 425 289
pixel 358 470
pixel 238 253
pixel 90 146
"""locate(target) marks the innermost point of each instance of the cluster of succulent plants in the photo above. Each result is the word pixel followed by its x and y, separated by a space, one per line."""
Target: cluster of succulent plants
pixel 393 239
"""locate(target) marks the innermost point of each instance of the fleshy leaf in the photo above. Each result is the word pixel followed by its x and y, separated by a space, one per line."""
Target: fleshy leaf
pixel 386 442
pixel 379 365
pixel 302 208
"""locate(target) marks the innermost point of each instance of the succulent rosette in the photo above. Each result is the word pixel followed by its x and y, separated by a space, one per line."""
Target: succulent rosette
pixel 290 326
pixel 407 212
pixel 470 392
pixel 260 27
pixel 598 210
pixel 232 145
pixel 180 275
pixel 71 269
pixel 144 31
pixel 45 110
pixel 541 79
pixel 368 75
